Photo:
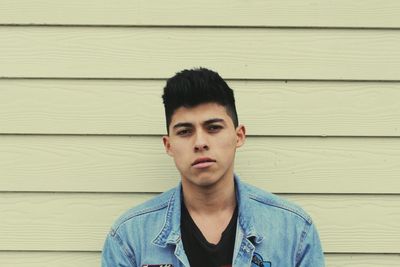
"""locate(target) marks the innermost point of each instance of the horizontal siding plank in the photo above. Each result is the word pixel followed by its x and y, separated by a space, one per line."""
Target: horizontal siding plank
pixel 292 13
pixel 92 259
pixel 344 222
pixel 105 52
pixel 139 164
pixel 49 259
pixel 135 107
pixel 365 260
pixel 79 222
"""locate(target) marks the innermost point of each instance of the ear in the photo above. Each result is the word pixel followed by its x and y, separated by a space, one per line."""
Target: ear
pixel 167 145
pixel 240 135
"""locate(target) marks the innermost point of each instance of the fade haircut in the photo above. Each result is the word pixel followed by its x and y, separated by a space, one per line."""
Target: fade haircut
pixel 193 87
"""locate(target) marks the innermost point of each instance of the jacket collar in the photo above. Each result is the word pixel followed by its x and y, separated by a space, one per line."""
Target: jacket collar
pixel 247 216
pixel 171 233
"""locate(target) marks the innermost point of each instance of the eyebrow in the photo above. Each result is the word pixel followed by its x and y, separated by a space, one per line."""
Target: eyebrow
pixel 182 124
pixel 210 121
pixel 207 122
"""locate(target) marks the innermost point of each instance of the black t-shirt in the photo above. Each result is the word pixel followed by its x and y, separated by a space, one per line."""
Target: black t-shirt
pixel 199 251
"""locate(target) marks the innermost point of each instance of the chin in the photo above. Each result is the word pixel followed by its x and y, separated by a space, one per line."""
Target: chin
pixel 204 180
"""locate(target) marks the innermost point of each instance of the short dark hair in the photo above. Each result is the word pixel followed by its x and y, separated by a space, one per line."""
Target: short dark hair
pixel 190 88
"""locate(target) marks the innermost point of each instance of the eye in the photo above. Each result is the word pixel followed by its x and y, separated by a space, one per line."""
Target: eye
pixel 214 128
pixel 183 132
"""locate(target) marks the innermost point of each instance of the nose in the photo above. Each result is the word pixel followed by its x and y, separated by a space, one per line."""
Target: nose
pixel 200 143
pixel 200 147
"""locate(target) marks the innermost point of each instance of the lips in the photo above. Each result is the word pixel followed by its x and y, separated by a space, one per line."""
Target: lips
pixel 203 161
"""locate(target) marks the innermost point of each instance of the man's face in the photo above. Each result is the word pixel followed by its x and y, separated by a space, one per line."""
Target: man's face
pixel 203 141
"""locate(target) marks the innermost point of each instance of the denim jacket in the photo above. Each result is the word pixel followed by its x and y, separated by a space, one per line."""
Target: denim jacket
pixel 270 232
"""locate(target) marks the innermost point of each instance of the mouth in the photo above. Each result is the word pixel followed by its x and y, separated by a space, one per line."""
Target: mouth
pixel 203 162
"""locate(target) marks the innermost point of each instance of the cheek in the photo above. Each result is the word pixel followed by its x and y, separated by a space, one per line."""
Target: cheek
pixel 228 143
pixel 174 145
pixel 179 150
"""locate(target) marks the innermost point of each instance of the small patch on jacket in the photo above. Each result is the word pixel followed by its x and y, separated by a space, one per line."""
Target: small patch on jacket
pixel 259 261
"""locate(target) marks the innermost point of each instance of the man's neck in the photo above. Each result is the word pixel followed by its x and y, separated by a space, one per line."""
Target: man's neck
pixel 210 200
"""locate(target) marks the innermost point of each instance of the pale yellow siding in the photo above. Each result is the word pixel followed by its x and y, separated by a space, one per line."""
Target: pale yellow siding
pixel 284 108
pixel 92 259
pixel 245 53
pixel 267 13
pixel 78 221
pixel 298 165
pixel 317 85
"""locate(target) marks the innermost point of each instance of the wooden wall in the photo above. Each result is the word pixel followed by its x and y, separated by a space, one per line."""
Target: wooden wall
pixel 317 85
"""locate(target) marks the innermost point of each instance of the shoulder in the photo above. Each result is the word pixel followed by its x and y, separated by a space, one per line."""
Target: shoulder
pixel 152 207
pixel 272 203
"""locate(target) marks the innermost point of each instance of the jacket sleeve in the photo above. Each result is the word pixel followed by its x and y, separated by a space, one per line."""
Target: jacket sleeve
pixel 310 252
pixel 115 254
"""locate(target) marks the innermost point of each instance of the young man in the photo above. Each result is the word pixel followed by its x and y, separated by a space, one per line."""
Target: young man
pixel 211 219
